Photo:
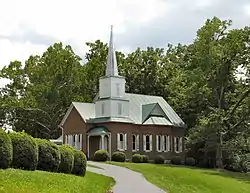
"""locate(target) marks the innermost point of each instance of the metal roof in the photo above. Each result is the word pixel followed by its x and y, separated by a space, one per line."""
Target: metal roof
pixel 136 102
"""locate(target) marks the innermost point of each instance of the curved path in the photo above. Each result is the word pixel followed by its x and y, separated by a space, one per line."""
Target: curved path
pixel 126 180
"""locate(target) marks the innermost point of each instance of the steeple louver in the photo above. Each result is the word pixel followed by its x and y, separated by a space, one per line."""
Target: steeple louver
pixel 111 69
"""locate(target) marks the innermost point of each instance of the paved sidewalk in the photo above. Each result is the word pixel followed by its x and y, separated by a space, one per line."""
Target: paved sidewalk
pixel 127 181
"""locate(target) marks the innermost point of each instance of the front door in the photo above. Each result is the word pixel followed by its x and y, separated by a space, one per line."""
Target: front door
pixel 94 145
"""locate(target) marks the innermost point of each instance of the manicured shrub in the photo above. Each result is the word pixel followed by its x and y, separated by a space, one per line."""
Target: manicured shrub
pixel 101 155
pixel 159 159
pixel 49 156
pixel 118 156
pixel 25 151
pixel 190 161
pixel 67 159
pixel 5 150
pixel 145 158
pixel 80 163
pixel 176 160
pixel 137 158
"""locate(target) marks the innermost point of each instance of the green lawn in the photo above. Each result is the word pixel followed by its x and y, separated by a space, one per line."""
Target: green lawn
pixel 191 180
pixel 20 181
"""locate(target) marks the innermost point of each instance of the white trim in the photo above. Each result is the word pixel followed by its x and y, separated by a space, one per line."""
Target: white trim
pixel 145 143
pixel 125 141
pixel 67 114
pixel 80 141
pixel 137 142
pixel 118 141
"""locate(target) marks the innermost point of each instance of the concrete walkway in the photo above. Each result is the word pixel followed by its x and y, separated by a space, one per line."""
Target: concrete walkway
pixel 127 181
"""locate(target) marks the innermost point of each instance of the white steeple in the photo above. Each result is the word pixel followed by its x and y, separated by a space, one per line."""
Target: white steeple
pixel 112 100
pixel 111 68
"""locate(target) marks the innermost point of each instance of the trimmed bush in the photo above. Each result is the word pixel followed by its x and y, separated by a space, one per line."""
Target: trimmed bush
pixel 137 158
pixel 145 158
pixel 5 150
pixel 25 151
pixel 67 159
pixel 176 160
pixel 49 156
pixel 159 159
pixel 190 161
pixel 101 155
pixel 118 156
pixel 80 163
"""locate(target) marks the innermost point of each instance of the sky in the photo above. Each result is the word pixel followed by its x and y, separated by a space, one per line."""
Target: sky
pixel 28 27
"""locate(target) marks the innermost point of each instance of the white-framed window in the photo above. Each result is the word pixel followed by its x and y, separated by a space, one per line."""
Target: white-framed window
pixel 121 141
pixel 117 89
pixel 135 143
pixel 119 108
pixel 74 140
pixel 178 144
pixel 162 143
pixel 103 108
pixel 147 143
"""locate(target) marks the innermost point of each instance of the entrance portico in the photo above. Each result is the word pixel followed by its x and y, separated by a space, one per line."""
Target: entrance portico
pixel 98 138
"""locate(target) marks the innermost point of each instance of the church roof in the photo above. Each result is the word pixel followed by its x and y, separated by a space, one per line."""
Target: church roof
pixel 138 114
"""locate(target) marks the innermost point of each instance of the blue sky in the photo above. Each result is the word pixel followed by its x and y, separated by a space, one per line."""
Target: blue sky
pixel 30 26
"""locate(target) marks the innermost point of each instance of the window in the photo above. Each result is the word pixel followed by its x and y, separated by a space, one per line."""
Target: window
pixel 162 143
pixel 147 142
pixel 121 141
pixel 159 142
pixel 119 108
pixel 103 108
pixel 178 144
pixel 134 143
pixel 165 143
pixel 117 89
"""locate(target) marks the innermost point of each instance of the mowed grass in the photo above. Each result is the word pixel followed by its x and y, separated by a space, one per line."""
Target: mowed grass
pixel 20 181
pixel 181 179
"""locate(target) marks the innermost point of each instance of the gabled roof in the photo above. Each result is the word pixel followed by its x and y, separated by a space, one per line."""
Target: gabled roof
pixel 139 106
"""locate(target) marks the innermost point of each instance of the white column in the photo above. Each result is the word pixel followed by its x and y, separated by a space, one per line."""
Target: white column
pixel 80 141
pixel 102 144
pixel 76 139
pixel 110 153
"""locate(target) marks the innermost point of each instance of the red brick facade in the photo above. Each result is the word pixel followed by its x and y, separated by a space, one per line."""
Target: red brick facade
pixel 74 124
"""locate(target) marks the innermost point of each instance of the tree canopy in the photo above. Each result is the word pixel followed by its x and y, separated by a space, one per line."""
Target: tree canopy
pixel 198 80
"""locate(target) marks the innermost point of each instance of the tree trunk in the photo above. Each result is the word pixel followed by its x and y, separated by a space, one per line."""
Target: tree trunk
pixel 219 161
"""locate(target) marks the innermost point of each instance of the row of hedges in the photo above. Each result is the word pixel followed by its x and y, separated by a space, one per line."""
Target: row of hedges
pixel 102 155
pixel 20 150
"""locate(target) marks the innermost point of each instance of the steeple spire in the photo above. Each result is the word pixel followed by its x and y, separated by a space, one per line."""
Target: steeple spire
pixel 111 69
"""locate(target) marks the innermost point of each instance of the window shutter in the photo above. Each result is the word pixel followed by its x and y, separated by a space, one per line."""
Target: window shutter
pixel 125 141
pixel 174 144
pixel 137 143
pixel 80 141
pixel 150 138
pixel 168 143
pixel 144 143
pixel 180 144
pixel 157 142
pixel 118 141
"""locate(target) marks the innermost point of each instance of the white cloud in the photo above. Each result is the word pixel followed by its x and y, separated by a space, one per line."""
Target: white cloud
pixel 247 10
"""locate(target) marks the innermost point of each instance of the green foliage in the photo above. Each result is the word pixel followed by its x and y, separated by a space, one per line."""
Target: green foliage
pixel 80 163
pixel 5 150
pixel 18 181
pixel 137 158
pixel 145 158
pixel 101 155
pixel 67 159
pixel 25 151
pixel 49 156
pixel 118 156
pixel 176 160
pixel 159 159
pixel 190 161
